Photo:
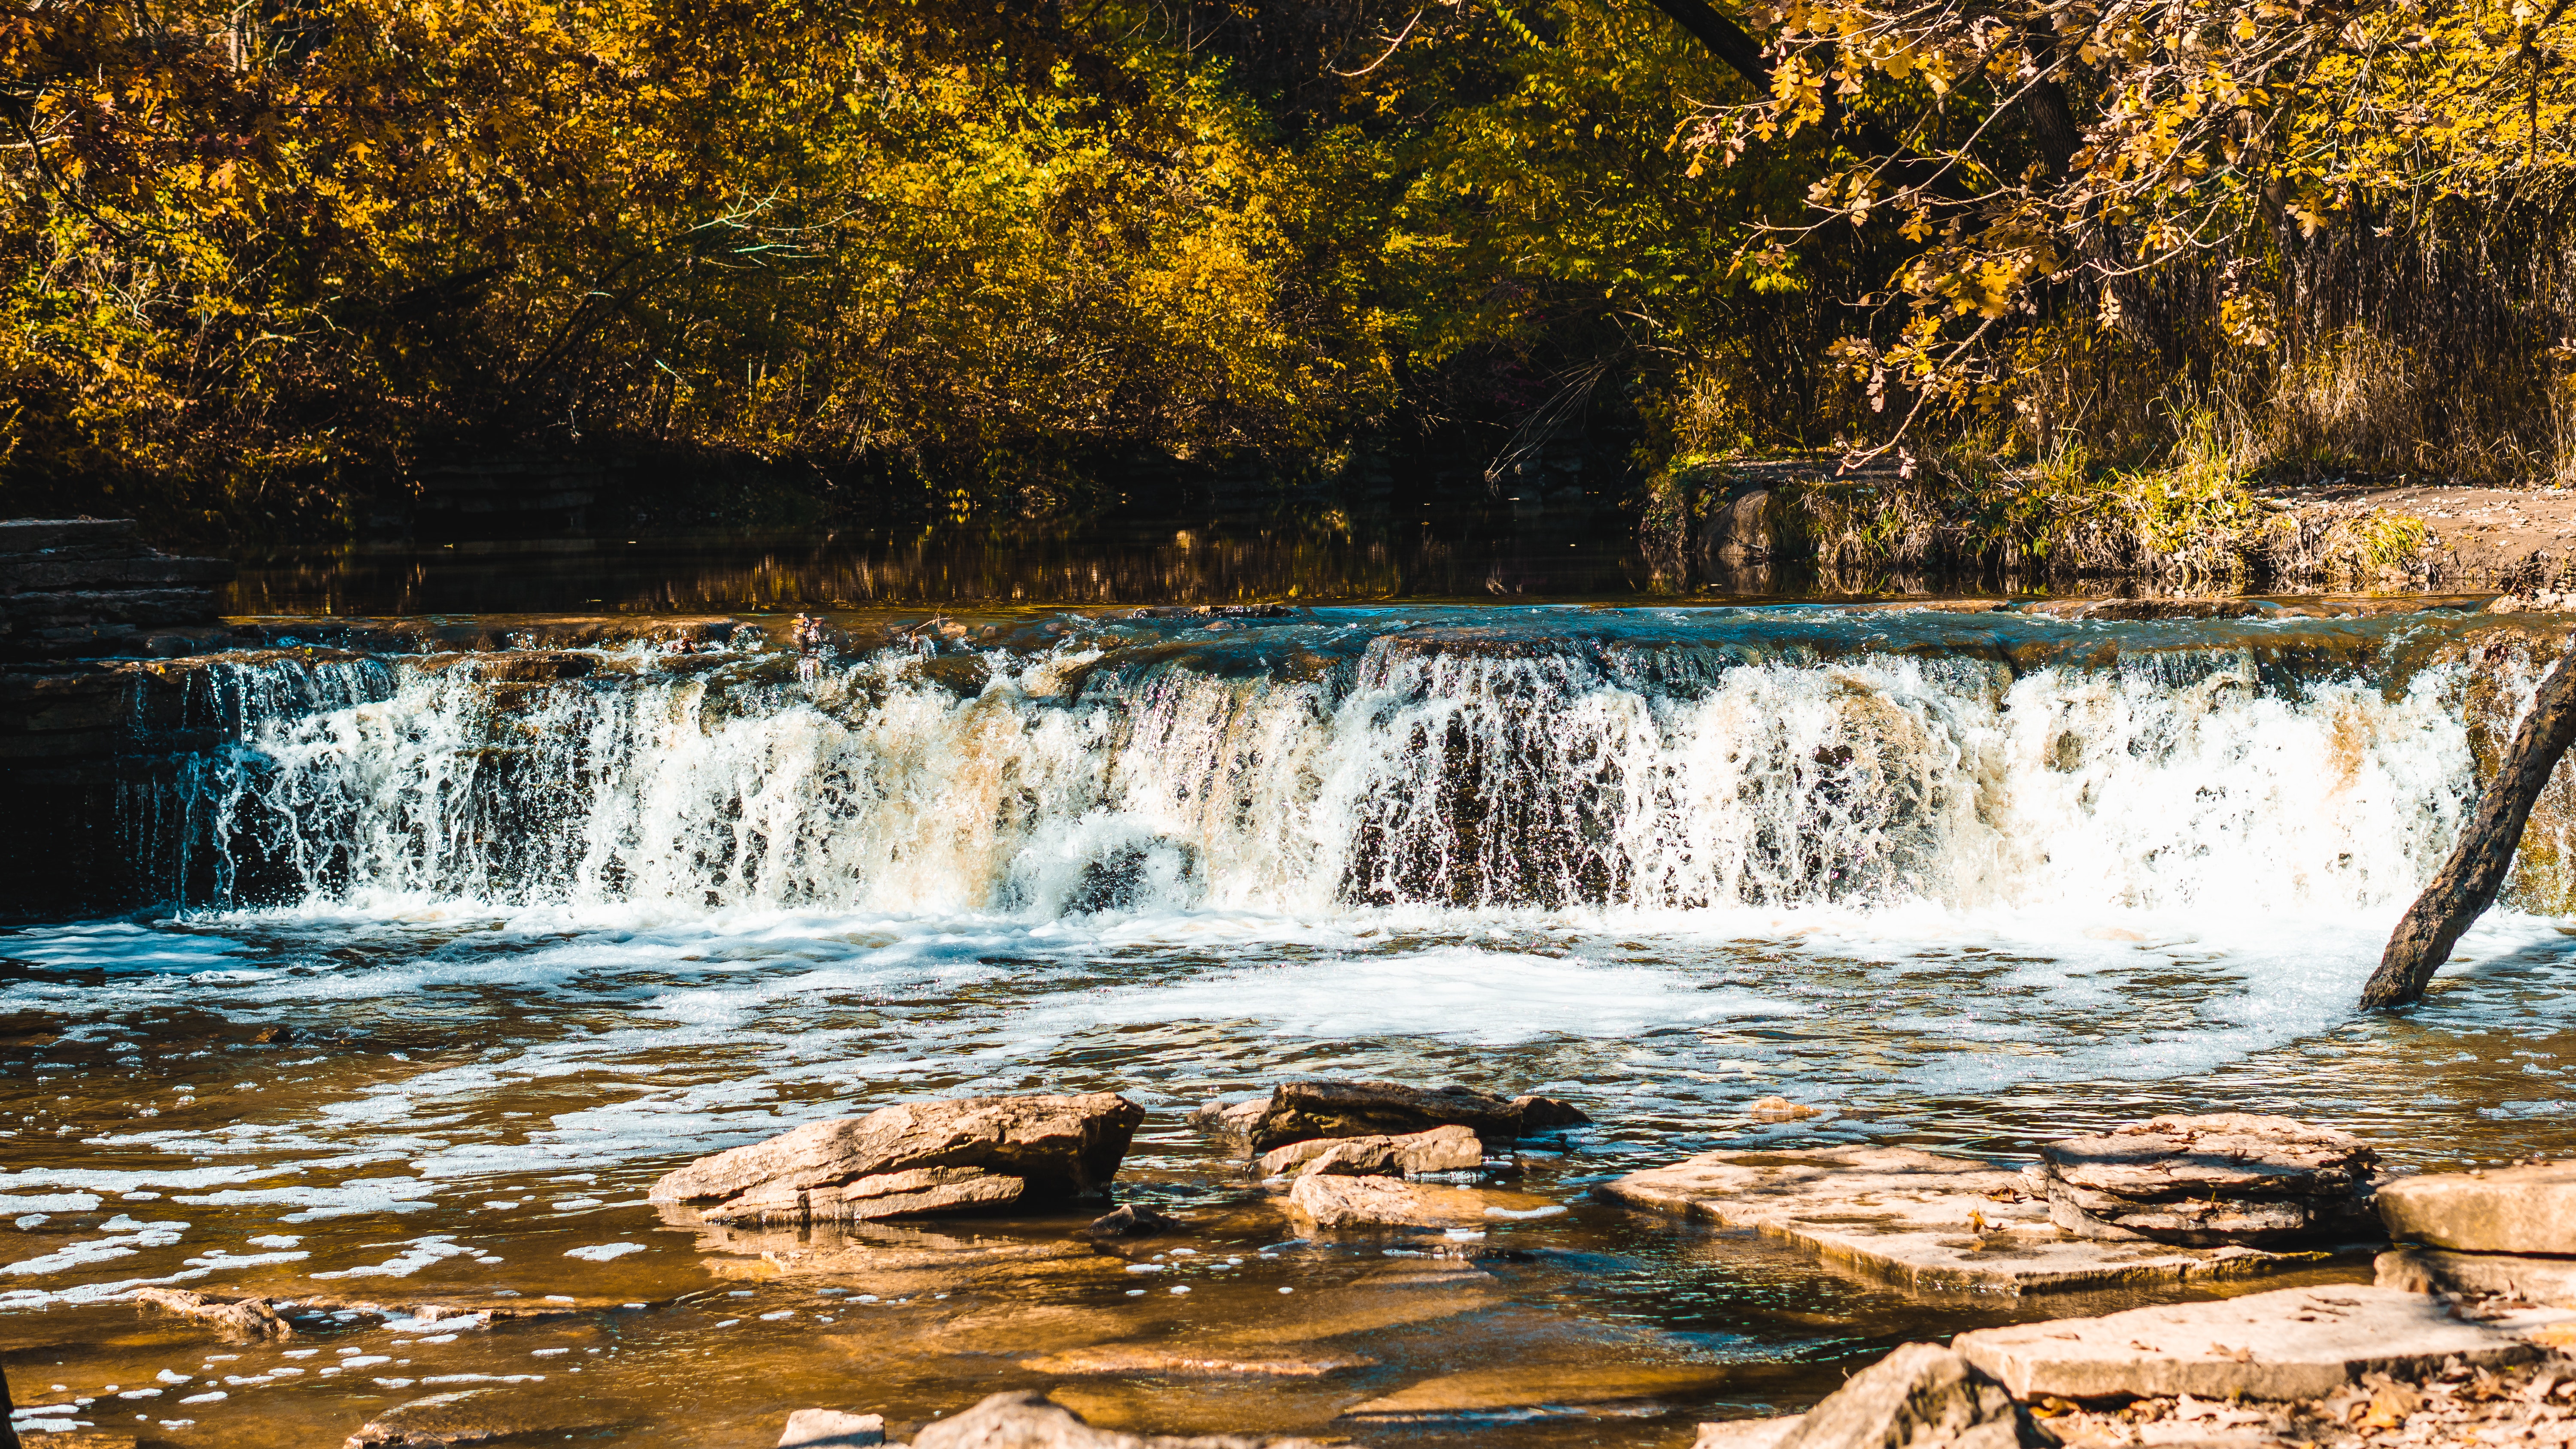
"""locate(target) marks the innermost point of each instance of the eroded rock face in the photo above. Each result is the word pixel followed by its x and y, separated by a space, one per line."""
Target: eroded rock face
pixel 1417 1154
pixel 1920 1396
pixel 2228 1179
pixel 2502 1210
pixel 1033 1421
pixel 919 1158
pixel 2298 1343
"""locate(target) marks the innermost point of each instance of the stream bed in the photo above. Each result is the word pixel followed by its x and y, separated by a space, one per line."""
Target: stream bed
pixel 457 958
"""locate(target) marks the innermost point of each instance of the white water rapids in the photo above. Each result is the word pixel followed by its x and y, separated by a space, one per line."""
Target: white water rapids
pixel 1961 882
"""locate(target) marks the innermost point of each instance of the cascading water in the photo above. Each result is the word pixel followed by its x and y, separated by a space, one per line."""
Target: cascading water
pixel 1407 766
pixel 460 951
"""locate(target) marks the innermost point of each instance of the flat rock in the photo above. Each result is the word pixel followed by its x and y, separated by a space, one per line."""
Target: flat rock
pixel 1033 1421
pixel 1417 1154
pixel 2502 1210
pixel 1298 1111
pixel 1918 1219
pixel 1920 1395
pixel 2433 1270
pixel 918 1158
pixel 832 1429
pixel 2298 1343
pixel 1529 1385
pixel 2230 1178
pixel 1323 1203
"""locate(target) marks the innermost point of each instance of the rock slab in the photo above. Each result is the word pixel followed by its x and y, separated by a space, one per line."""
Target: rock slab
pixel 918 1158
pixel 2503 1210
pixel 1917 1397
pixel 1418 1154
pixel 832 1429
pixel 2298 1343
pixel 2550 1281
pixel 2225 1179
pixel 1323 1203
pixel 1919 1219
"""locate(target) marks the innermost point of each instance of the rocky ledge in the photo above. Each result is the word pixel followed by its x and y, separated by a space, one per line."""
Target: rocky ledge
pixel 70 587
pixel 2174 1199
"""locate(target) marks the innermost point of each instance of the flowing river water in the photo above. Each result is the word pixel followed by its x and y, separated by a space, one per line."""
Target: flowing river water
pixel 457 957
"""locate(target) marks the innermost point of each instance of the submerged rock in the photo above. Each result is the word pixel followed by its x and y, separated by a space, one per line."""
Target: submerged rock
pixel 483 1416
pixel 2232 1178
pixel 1148 1358
pixel 1027 1420
pixel 2298 1343
pixel 1918 1219
pixel 1129 1221
pixel 1532 1385
pixel 235 1318
pixel 919 1158
pixel 1418 1154
pixel 2502 1210
pixel 832 1429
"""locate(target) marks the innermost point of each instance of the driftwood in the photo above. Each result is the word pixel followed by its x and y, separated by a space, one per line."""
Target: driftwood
pixel 2468 883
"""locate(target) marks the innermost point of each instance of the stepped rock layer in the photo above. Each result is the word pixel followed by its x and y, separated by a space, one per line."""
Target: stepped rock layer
pixel 2230 1178
pixel 916 1158
pixel 1926 1221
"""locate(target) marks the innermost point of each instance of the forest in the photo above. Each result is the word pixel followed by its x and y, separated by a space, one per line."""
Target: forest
pixel 268 262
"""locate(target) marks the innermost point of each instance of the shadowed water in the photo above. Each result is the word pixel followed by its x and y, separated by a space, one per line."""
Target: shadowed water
pixel 1965 880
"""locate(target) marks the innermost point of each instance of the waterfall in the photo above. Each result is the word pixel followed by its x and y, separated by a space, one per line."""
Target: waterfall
pixel 1323 769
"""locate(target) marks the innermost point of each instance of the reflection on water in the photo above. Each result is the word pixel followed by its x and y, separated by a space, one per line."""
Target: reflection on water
pixel 1569 557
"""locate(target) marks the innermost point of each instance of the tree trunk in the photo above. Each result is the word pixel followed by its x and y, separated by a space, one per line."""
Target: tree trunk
pixel 2476 870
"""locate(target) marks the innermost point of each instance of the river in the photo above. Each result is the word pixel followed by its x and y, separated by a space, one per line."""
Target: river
pixel 450 968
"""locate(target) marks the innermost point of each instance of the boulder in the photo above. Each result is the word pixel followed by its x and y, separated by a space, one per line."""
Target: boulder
pixel 1917 1397
pixel 1442 1149
pixel 2550 1281
pixel 2502 1210
pixel 1918 1219
pixel 1298 1111
pixel 1541 1114
pixel 1026 1420
pixel 832 1429
pixel 2298 1343
pixel 945 1155
pixel 2228 1179
pixel 1323 1203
